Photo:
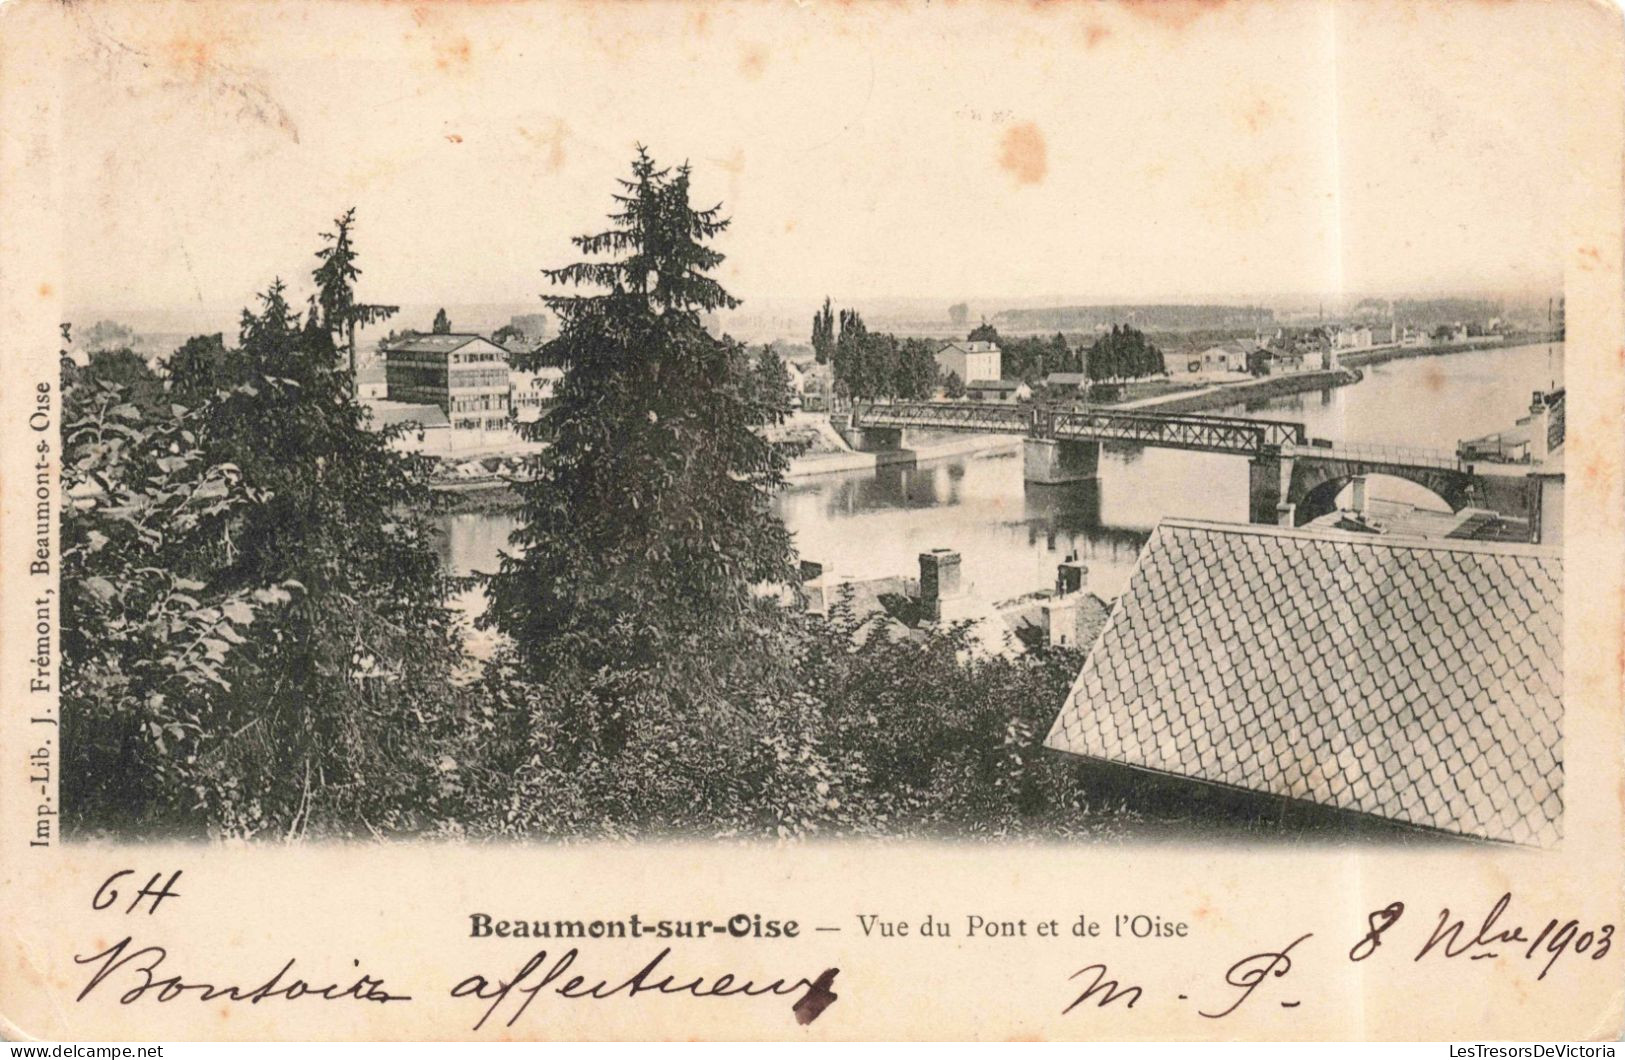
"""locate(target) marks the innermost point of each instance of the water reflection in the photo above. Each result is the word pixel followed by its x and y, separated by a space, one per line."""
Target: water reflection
pixel 1012 534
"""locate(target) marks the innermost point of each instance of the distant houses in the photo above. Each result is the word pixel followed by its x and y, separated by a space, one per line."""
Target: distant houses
pixel 456 390
pixel 972 362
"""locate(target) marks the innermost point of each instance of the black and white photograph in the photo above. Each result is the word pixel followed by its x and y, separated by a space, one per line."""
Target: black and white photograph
pixel 812 520
pixel 818 470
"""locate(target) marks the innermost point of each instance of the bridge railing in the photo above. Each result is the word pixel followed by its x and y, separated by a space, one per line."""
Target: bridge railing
pixel 1397 455
pixel 945 415
pixel 1231 434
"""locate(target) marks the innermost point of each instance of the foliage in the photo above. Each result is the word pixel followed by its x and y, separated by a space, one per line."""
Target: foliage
pixel 147 640
pixel 1031 358
pixel 823 334
pixel 952 386
pixel 914 737
pixel 769 380
pixel 649 516
pixel 127 370
pixel 958 313
pixel 1123 353
pixel 334 299
pixel 314 719
pixel 872 365
pixel 107 335
pixel 442 323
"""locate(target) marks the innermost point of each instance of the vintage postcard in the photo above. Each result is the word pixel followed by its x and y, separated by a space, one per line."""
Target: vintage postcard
pixel 812 520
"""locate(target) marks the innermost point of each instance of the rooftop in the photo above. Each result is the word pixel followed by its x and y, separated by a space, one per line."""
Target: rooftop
pixel 390 413
pixel 436 343
pixel 1416 680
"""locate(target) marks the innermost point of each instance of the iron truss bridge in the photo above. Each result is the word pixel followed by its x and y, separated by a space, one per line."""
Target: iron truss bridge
pixel 1210 434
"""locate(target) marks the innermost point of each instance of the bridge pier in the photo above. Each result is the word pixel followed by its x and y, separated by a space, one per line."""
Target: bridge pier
pixel 1051 461
pixel 877 439
pixel 1269 488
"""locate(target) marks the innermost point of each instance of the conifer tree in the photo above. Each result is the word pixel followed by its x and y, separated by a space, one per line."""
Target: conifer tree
pixel 334 299
pixel 649 518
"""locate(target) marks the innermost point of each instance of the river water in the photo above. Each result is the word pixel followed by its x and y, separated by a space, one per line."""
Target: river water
pixel 1011 534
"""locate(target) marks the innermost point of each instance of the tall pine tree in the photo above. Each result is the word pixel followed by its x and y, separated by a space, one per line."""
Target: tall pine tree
pixel 648 523
pixel 335 300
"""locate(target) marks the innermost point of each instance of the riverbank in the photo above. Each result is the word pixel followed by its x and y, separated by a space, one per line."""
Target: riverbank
pixel 1383 354
pixel 934 449
pixel 1224 395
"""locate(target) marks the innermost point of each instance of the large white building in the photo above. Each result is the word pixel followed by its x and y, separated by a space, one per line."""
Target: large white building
pixel 972 362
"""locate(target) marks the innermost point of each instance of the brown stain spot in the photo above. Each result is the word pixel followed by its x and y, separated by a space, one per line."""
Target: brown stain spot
pixel 753 62
pixel 1433 379
pixel 1094 33
pixel 550 140
pixel 699 23
pixel 452 53
pixel 1258 114
pixel 1590 258
pixel 789 226
pixel 1173 14
pixel 46 290
pixel 454 138
pixel 191 57
pixel 1022 153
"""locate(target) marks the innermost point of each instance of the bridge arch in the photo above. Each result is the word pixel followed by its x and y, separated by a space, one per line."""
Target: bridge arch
pixel 1316 484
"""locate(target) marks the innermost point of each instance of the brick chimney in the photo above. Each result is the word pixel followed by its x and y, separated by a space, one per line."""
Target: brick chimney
pixel 1540 420
pixel 939 580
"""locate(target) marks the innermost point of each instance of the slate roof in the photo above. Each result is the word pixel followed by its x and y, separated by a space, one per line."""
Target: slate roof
pixel 1417 680
pixel 439 343
pixel 390 413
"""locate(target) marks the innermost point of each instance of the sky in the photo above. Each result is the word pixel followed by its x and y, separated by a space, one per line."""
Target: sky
pixel 1062 153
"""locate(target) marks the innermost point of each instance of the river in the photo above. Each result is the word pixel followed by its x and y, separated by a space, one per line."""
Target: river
pixel 1011 534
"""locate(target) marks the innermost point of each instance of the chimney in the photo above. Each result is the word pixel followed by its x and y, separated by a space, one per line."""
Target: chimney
pixel 1540 420
pixel 1070 576
pixel 1359 497
pixel 939 579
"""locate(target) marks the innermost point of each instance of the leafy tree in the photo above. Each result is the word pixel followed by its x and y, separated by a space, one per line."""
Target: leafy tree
pixel 823 334
pixel 261 488
pixel 107 335
pixel 335 300
pixel 648 523
pixel 770 379
pixel 984 332
pixel 442 323
pixel 953 386
pixel 916 370
pixel 197 367
pixel 128 370
pixel 334 712
pixel 149 636
pixel 958 313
